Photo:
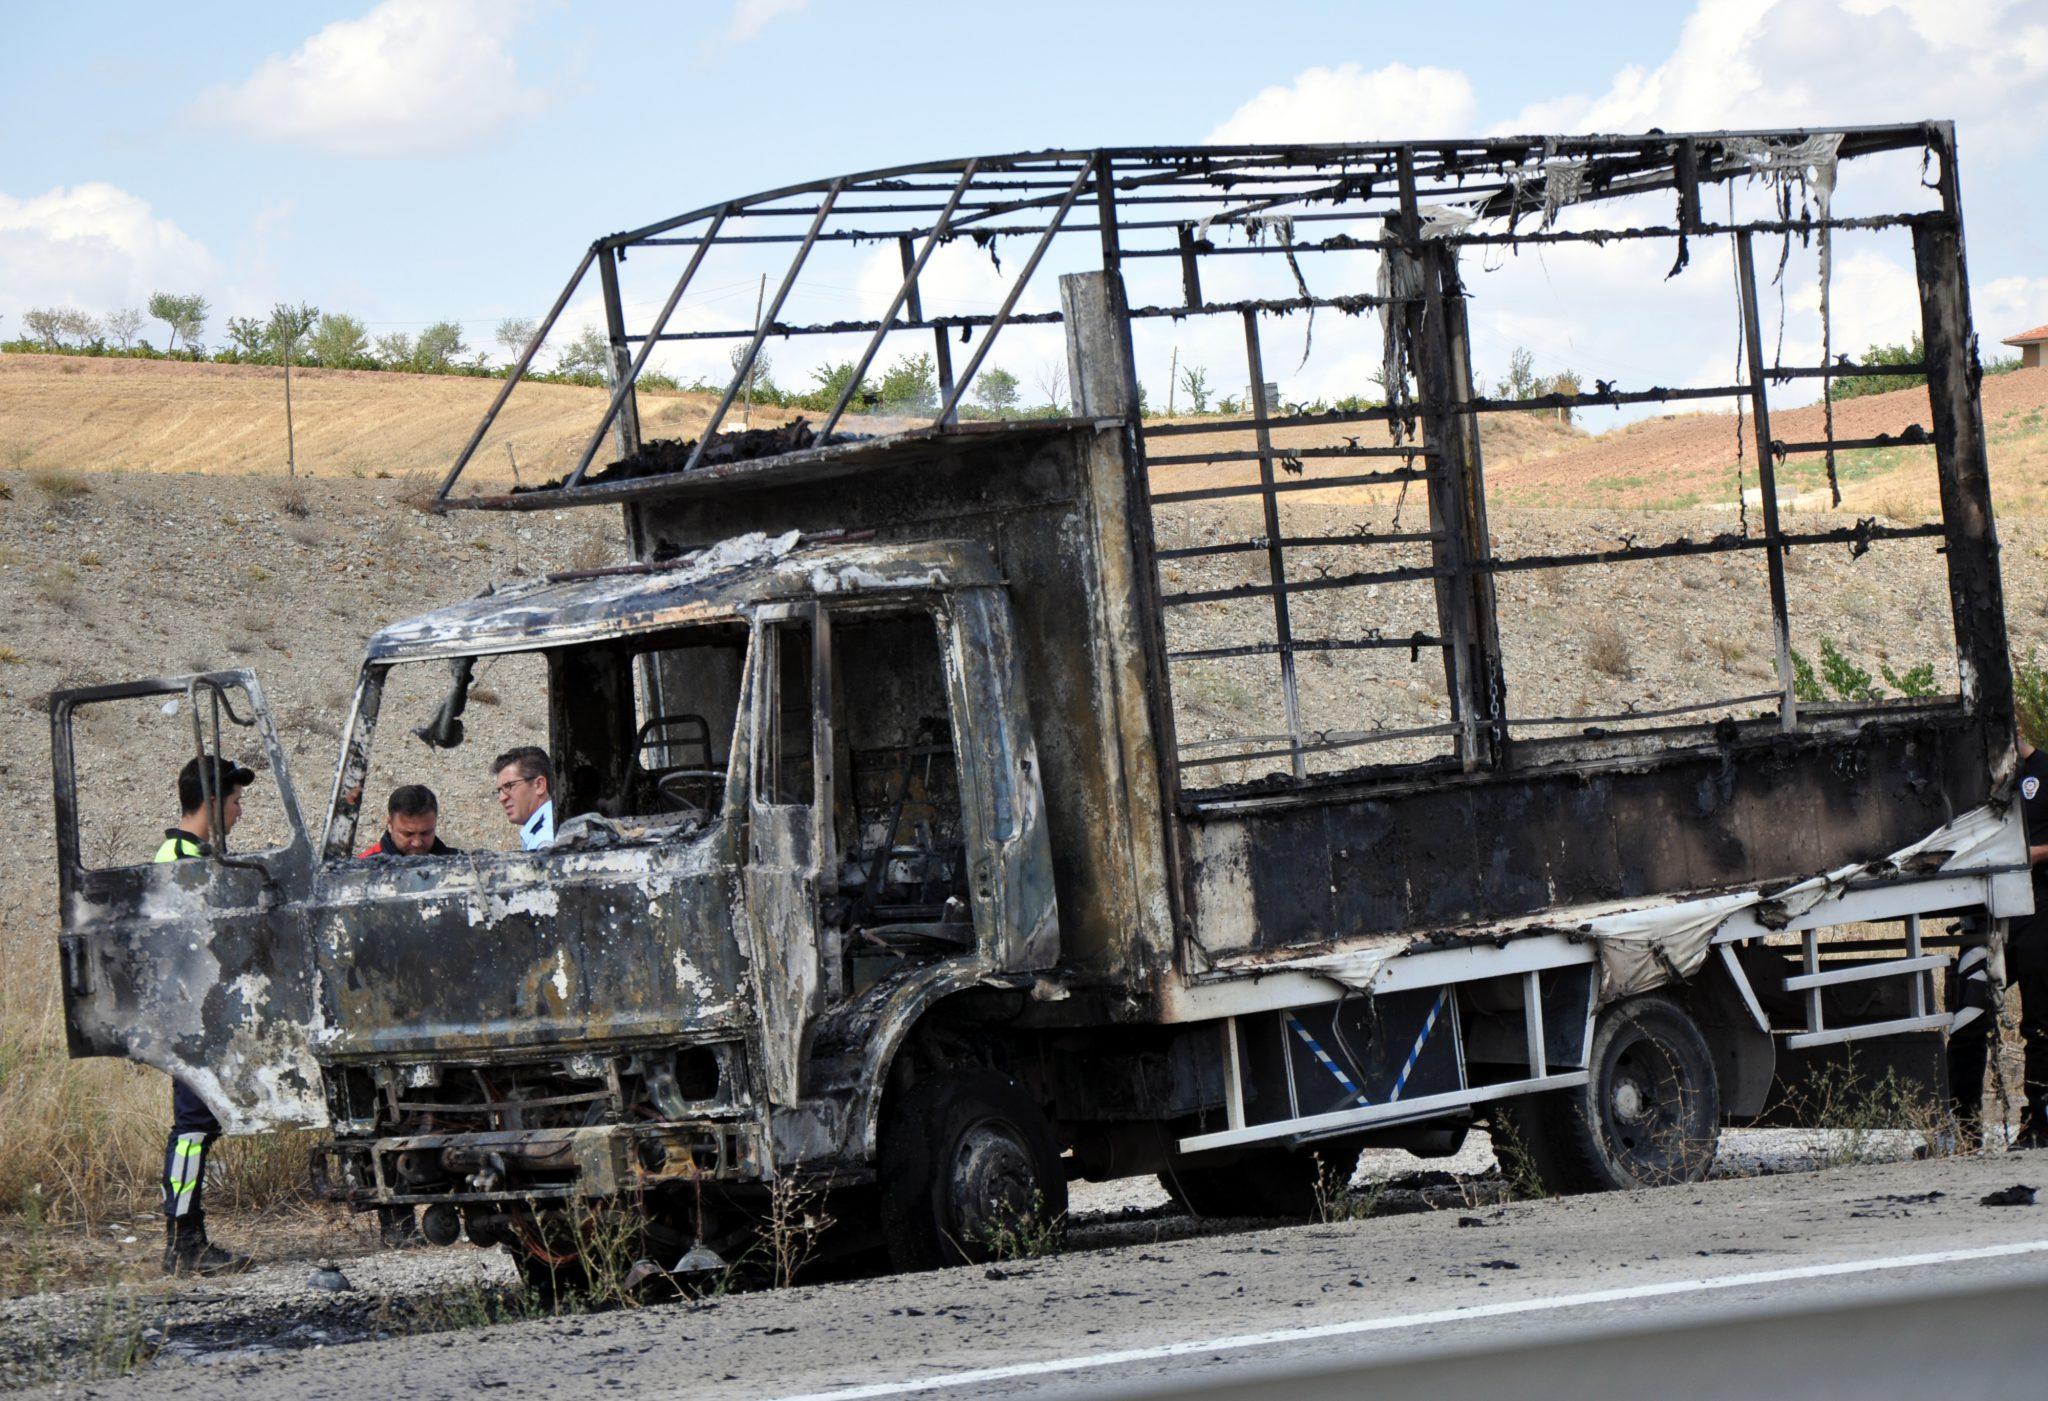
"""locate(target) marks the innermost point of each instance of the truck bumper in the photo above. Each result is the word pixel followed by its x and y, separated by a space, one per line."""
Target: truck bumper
pixel 606 1160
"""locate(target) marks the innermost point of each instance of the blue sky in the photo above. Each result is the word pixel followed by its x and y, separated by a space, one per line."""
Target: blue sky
pixel 420 159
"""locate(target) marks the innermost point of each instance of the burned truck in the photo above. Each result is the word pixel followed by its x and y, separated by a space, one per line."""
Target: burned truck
pixel 909 847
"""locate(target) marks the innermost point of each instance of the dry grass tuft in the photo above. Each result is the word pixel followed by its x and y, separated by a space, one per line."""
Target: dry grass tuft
pixel 58 587
pixel 293 499
pixel 596 551
pixel 417 489
pixel 60 486
pixel 1727 650
pixel 1607 650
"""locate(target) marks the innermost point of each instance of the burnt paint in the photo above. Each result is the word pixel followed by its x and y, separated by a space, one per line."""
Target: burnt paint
pixel 1500 846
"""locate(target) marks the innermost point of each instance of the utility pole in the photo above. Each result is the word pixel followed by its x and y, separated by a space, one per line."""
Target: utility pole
pixel 291 458
pixel 759 295
pixel 1172 374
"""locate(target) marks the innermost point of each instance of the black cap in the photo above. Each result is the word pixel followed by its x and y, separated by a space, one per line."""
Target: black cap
pixel 226 773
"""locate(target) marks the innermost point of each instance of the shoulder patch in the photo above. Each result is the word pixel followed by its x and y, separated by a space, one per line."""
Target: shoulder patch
pixel 2029 786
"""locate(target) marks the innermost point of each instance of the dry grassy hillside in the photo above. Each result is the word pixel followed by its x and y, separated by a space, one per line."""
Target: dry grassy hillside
pixel 169 416
pixel 1688 460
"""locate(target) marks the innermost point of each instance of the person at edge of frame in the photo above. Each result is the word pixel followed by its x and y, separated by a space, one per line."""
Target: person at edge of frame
pixel 187 1251
pixel 1974 997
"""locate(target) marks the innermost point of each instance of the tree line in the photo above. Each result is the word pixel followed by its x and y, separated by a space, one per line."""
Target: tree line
pixel 303 335
pixel 909 387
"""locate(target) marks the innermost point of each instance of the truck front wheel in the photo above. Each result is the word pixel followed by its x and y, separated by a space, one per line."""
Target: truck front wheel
pixel 1649 1113
pixel 970 1171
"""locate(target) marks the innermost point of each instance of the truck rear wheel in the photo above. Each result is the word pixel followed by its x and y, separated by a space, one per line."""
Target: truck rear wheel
pixel 1649 1113
pixel 970 1170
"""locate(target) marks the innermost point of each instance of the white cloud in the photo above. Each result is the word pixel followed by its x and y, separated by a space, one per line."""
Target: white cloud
pixel 1769 63
pixel 2005 306
pixel 411 77
pixel 94 247
pixel 750 17
pixel 1346 103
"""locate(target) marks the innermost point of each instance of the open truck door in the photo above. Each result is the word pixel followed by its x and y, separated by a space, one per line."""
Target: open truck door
pixel 199 967
pixel 789 831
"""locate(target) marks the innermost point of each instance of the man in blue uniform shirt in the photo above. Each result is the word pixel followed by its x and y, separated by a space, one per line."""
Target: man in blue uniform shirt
pixel 524 780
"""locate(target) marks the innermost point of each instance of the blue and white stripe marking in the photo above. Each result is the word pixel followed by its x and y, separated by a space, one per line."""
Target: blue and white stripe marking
pixel 1324 1056
pixel 1415 1054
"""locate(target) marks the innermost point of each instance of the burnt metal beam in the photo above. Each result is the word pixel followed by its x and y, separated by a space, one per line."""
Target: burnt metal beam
pixel 627 370
pixel 1233 547
pixel 516 373
pixel 1767 477
pixel 1276 555
pixel 1859 537
pixel 1411 644
pixel 1324 742
pixel 1002 316
pixel 1254 455
pixel 1976 591
pixel 746 365
pixel 1261 488
pixel 903 293
pixel 625 406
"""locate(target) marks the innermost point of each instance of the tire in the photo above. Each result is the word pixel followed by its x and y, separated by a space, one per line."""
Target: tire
pixel 1649 1114
pixel 967 1159
pixel 550 1284
pixel 1268 1181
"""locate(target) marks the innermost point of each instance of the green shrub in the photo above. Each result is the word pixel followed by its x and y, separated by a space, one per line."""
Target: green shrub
pixel 2030 698
pixel 1856 386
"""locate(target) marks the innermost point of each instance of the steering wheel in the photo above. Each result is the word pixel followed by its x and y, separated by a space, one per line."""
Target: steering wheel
pixel 670 789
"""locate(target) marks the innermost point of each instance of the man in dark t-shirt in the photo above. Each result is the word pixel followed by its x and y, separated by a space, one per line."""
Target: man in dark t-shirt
pixel 1973 999
pixel 412 823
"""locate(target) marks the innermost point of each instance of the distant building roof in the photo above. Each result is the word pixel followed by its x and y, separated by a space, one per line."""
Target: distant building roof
pixel 2034 337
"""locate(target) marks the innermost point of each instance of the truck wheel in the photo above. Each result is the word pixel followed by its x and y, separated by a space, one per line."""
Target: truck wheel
pixel 969 1170
pixel 1269 1181
pixel 550 1280
pixel 1648 1115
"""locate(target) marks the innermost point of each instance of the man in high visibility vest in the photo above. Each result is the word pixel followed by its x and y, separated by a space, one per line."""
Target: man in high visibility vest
pixel 193 1127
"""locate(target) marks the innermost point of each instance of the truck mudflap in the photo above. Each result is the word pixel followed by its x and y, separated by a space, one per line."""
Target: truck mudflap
pixel 604 1160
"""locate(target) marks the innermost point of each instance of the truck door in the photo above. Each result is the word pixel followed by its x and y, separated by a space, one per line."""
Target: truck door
pixel 789 833
pixel 198 967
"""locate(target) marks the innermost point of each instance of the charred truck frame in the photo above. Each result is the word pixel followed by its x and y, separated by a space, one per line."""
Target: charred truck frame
pixel 891 855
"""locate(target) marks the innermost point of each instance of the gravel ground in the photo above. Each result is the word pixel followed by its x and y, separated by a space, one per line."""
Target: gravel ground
pixel 401 1330
pixel 80 1333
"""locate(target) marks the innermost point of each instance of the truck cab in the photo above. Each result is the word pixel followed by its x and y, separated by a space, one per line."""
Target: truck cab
pixel 796 802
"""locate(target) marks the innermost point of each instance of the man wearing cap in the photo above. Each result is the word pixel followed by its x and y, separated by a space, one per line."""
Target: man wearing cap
pixel 193 1127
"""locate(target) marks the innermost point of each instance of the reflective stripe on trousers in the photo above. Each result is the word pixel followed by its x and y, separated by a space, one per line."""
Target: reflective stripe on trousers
pixel 188 1170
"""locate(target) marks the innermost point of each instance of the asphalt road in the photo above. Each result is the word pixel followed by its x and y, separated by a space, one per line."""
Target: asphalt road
pixel 1595 1285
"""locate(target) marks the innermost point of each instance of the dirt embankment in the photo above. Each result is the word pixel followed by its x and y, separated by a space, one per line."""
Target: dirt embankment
pixel 1685 459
